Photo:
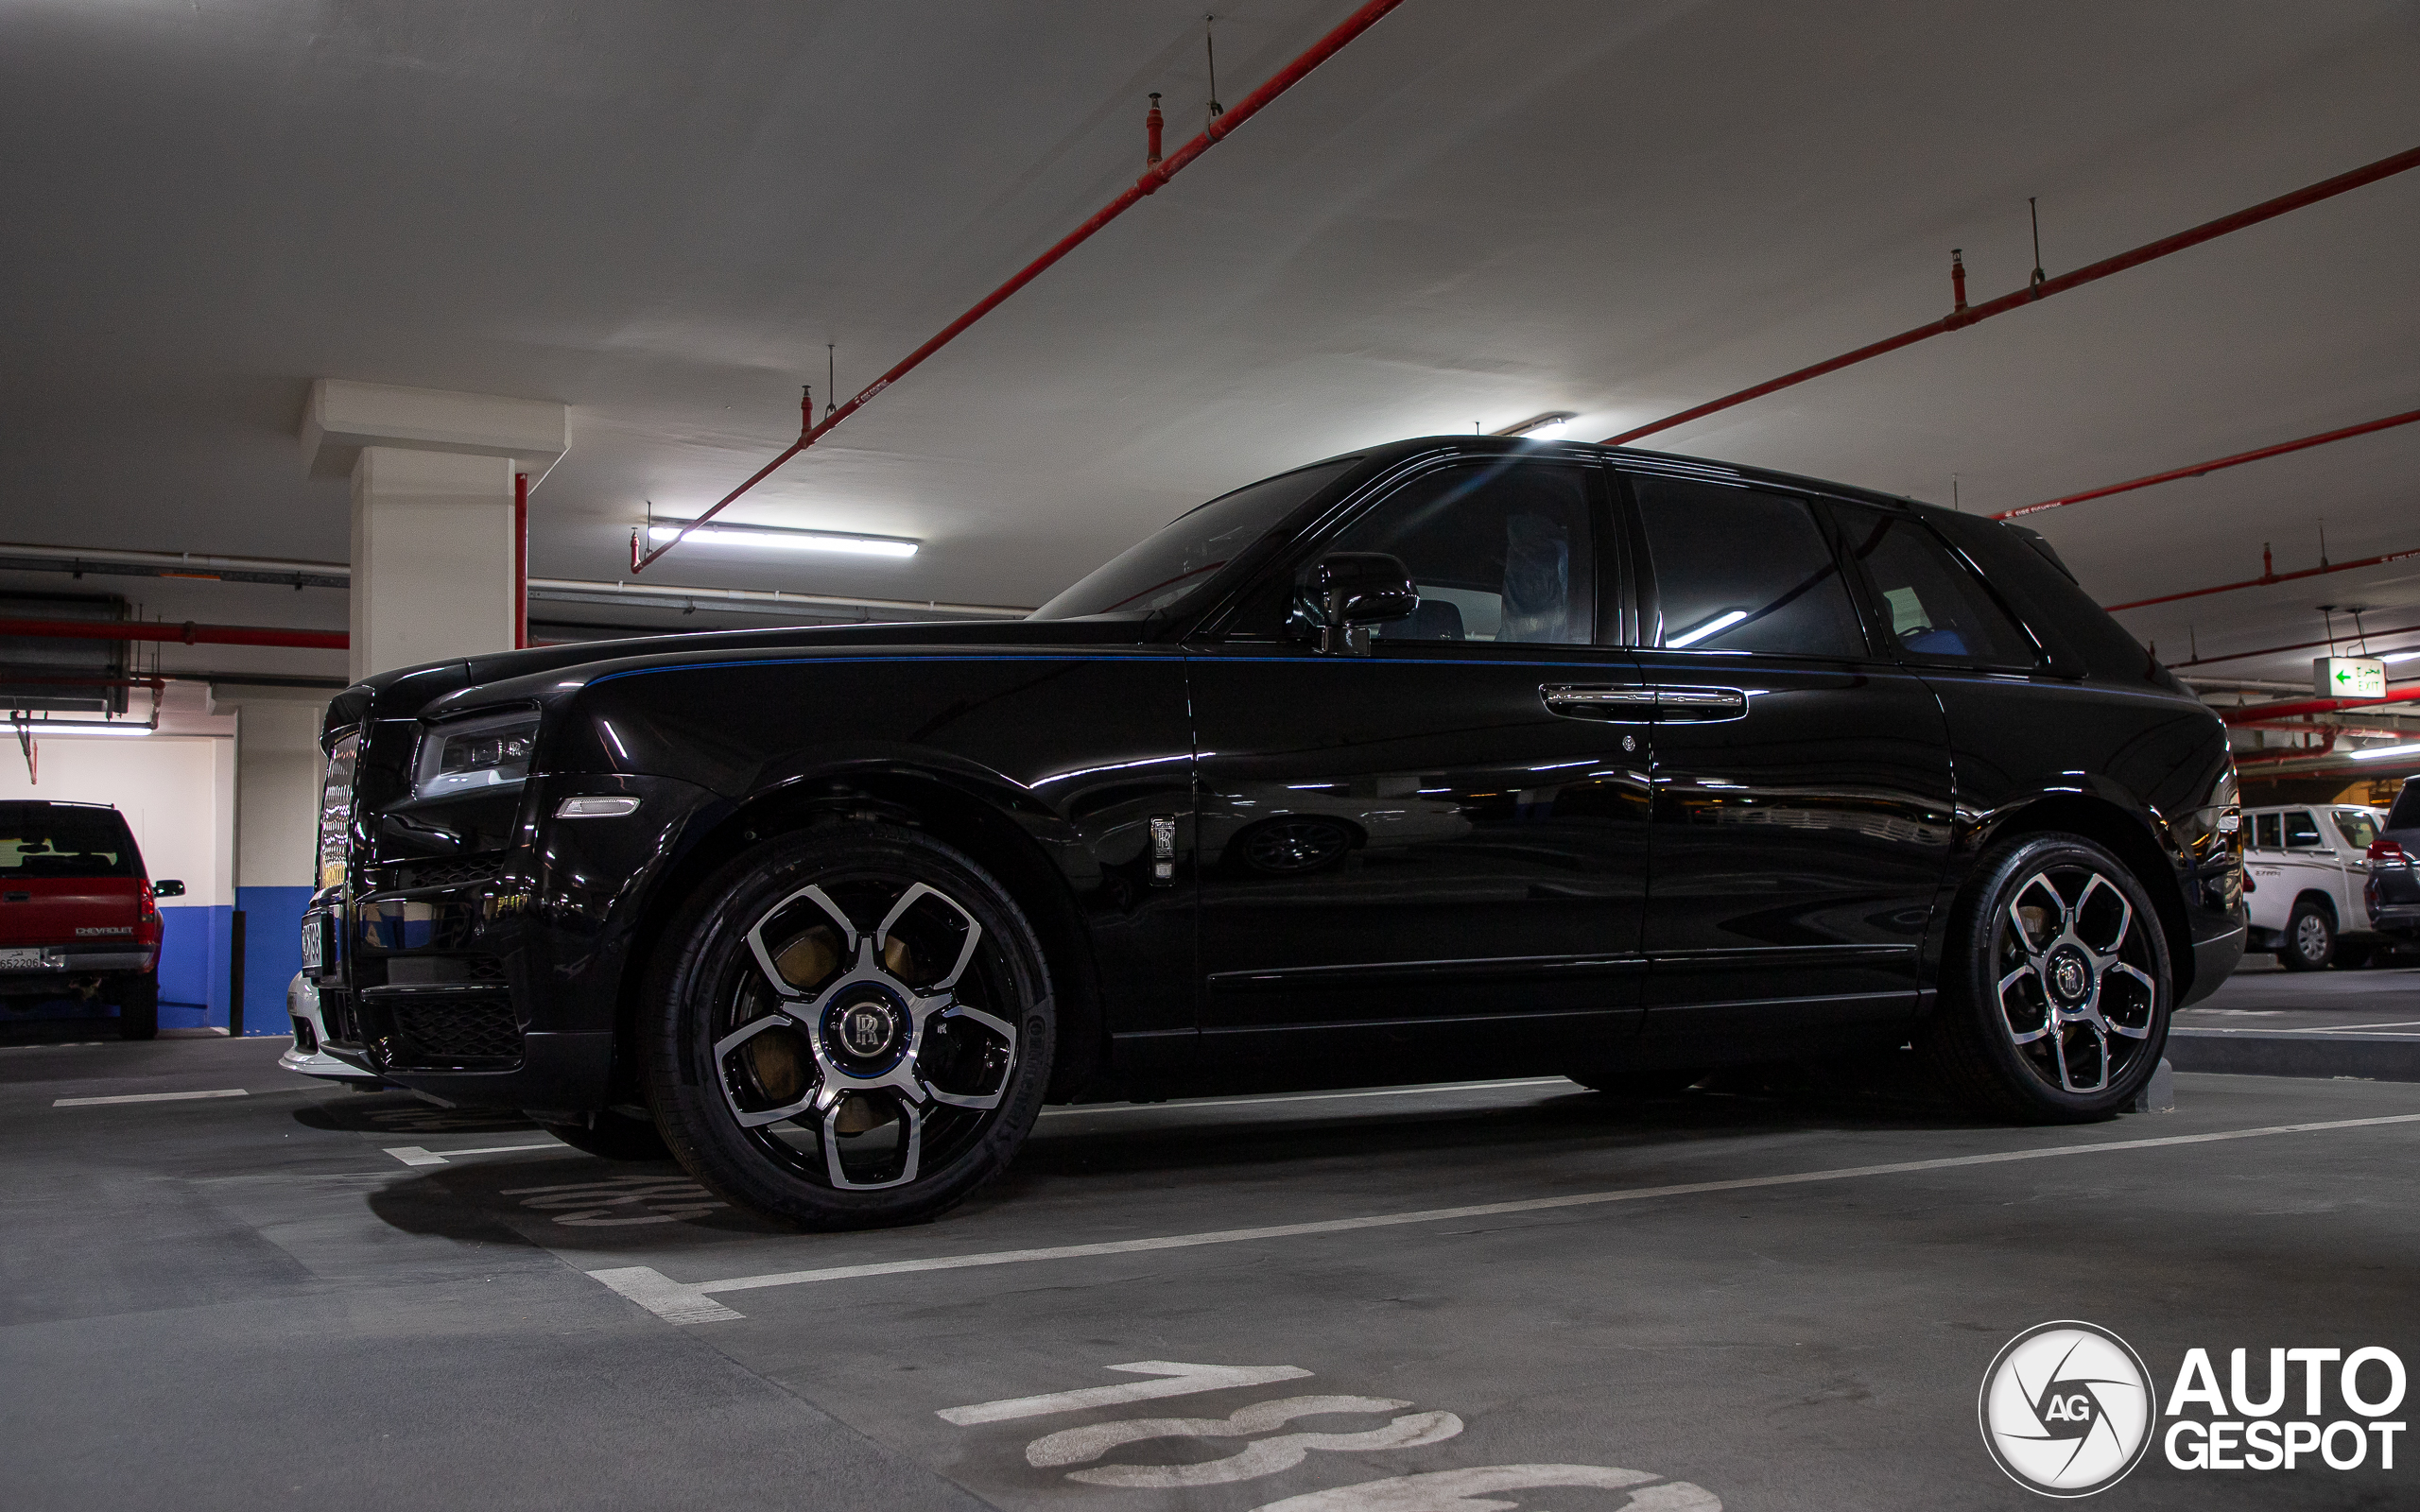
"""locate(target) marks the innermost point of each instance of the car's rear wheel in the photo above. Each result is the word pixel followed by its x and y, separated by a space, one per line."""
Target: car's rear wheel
pixel 848 1027
pixel 138 1007
pixel 2310 939
pixel 2056 985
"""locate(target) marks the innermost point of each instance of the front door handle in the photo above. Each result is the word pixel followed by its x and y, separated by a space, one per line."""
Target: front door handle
pixel 1634 703
pixel 1620 704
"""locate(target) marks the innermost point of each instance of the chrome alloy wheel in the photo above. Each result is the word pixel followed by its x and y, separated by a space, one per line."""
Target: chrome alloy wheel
pixel 2074 963
pixel 857 1056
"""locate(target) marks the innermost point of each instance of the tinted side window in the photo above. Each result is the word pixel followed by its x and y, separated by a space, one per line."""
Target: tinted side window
pixel 2406 813
pixel 1740 570
pixel 2265 834
pixel 1938 609
pixel 2301 829
pixel 1501 552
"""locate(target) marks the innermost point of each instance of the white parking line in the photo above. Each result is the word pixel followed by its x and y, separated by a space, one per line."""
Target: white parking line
pixel 414 1155
pixel 692 1302
pixel 147 1097
pixel 2355 1028
pixel 1310 1097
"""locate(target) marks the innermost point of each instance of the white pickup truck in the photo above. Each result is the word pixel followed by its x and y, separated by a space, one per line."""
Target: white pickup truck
pixel 2306 867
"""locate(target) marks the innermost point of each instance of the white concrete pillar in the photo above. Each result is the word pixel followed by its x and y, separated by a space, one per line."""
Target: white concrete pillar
pixel 432 511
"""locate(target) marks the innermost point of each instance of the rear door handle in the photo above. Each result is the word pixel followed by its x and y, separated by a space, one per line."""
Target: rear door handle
pixel 1634 703
pixel 1699 704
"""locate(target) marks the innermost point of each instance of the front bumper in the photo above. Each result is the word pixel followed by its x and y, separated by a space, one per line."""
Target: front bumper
pixel 493 978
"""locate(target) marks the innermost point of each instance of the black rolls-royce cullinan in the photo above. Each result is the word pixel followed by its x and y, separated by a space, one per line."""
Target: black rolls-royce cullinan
pixel 1455 757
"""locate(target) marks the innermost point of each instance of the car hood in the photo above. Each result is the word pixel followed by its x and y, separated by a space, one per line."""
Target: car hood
pixel 408 691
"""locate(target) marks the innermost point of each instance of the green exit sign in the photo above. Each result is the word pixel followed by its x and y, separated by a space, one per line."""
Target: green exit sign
pixel 2348 676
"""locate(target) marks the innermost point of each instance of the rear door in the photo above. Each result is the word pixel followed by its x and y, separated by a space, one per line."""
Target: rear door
pixel 1802 803
pixel 2311 865
pixel 1441 842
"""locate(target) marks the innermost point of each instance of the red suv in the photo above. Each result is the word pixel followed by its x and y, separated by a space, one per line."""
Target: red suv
pixel 78 919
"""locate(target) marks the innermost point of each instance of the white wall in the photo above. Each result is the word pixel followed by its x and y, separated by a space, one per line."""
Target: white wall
pixel 277 790
pixel 177 792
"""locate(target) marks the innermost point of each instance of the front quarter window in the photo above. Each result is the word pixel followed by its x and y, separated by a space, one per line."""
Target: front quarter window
pixel 1161 570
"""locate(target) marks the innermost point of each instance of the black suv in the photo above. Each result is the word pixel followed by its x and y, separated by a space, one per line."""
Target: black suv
pixel 2393 891
pixel 1456 757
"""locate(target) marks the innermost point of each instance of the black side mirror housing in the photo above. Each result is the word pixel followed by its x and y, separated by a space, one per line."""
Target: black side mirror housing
pixel 1349 591
pixel 167 888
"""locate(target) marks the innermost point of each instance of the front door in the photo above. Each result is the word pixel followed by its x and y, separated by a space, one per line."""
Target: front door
pixel 1802 801
pixel 1441 843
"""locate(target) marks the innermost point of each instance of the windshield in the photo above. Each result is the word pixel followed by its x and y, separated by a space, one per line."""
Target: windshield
pixel 37 840
pixel 1163 568
pixel 2358 825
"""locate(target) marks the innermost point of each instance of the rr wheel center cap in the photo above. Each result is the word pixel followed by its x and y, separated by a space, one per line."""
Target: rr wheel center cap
pixel 2070 977
pixel 866 1032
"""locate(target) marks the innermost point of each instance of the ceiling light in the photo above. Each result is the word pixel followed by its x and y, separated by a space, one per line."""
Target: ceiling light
pixel 2393 657
pixel 76 727
pixel 1542 427
pixel 769 538
pixel 2376 751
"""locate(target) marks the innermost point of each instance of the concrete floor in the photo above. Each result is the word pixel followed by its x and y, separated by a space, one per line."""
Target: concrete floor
pixel 249 1300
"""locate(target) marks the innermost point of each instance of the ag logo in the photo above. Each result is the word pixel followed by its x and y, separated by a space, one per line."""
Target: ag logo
pixel 2066 1409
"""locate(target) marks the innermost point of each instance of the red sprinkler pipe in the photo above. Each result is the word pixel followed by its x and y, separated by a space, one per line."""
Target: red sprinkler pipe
pixel 2267 577
pixel 187 633
pixel 2196 470
pixel 520 562
pixel 1220 129
pixel 2207 230
pixel 2298 646
pixel 2316 706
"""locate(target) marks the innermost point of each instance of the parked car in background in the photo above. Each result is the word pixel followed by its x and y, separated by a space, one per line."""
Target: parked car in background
pixel 80 922
pixel 2392 896
pixel 303 1009
pixel 2308 863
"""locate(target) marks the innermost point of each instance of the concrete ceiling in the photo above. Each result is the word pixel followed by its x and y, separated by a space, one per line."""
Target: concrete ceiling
pixel 660 214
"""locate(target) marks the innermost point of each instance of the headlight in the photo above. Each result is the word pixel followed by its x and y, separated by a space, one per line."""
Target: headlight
pixel 492 751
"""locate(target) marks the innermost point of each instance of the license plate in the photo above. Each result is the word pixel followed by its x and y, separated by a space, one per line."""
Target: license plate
pixel 311 959
pixel 20 960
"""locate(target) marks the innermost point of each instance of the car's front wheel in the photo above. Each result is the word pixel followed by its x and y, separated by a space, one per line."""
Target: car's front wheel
pixel 849 1026
pixel 2056 986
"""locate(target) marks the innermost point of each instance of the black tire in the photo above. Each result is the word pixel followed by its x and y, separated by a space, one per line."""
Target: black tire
pixel 2310 939
pixel 880 1051
pixel 138 1007
pixel 2351 957
pixel 1637 1083
pixel 2038 930
pixel 612 1137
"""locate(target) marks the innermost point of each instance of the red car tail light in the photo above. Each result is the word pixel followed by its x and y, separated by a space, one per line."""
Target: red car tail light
pixel 2388 853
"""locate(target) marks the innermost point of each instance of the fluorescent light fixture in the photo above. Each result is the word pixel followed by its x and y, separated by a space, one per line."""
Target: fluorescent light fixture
pixel 2376 751
pixel 76 727
pixel 1719 623
pixel 770 538
pixel 1542 427
pixel 2393 657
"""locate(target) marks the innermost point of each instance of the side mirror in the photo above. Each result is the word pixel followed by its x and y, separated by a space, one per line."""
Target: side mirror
pixel 167 888
pixel 1351 590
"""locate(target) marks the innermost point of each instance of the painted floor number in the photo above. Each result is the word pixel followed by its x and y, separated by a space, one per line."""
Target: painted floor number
pixel 1475 1489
